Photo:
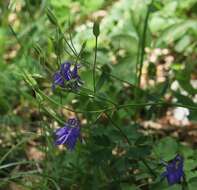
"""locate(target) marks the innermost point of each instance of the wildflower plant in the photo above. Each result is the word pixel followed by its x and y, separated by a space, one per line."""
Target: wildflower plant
pixel 109 148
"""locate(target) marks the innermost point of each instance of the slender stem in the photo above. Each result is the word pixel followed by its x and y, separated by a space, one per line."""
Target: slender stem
pixel 94 65
pixel 78 56
pixel 184 184
pixel 68 52
pixel 129 143
pixel 70 46
pixel 86 64
pixel 157 103
pixel 14 148
pixel 144 42
pixel 71 41
pixel 18 163
pixel 117 127
pixel 138 58
pixel 58 53
pixel 95 96
pixel 59 61
pixel 148 167
pixel 52 115
pixel 121 80
pixel 116 108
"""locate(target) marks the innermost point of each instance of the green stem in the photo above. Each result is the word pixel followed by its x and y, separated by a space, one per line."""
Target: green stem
pixel 148 167
pixel 94 65
pixel 71 41
pixel 117 127
pixel 95 96
pixel 129 143
pixel 18 163
pixel 78 56
pixel 85 63
pixel 73 51
pixel 116 108
pixel 14 148
pixel 157 103
pixel 184 184
pixel 144 42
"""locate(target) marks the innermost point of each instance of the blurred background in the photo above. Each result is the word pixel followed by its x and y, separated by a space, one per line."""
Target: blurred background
pixel 31 45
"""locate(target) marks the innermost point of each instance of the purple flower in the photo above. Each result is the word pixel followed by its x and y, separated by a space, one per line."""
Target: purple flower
pixel 174 170
pixel 68 134
pixel 67 78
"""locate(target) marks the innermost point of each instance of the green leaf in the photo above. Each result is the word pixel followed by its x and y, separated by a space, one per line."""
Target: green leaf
pixel 132 132
pixel 183 77
pixel 190 164
pixel 125 186
pixel 101 81
pixel 186 151
pixel 139 152
pixel 103 78
pixel 192 184
pixel 174 187
pixel 183 43
pixel 183 99
pixel 129 42
pixel 4 105
pixel 101 140
pixel 175 32
pixel 166 149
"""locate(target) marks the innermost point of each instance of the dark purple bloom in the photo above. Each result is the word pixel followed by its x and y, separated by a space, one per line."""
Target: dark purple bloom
pixel 68 134
pixel 174 170
pixel 67 78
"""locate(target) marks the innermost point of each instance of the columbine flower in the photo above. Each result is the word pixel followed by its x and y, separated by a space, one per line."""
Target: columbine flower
pixel 67 78
pixel 174 170
pixel 68 134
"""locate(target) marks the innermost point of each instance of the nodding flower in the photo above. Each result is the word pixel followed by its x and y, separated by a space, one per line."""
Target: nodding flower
pixel 174 170
pixel 67 78
pixel 68 134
